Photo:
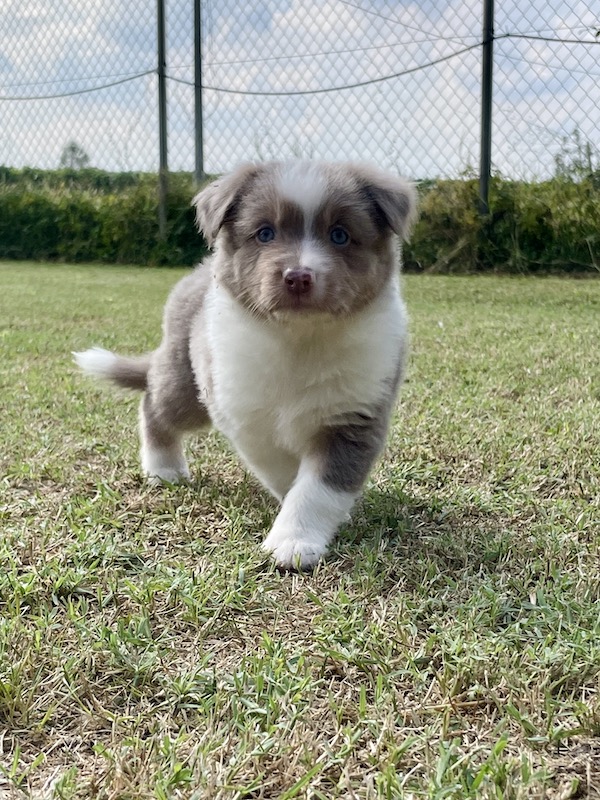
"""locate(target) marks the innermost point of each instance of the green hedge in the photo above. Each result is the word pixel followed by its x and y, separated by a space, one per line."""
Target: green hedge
pixel 532 227
pixel 90 215
pixel 89 178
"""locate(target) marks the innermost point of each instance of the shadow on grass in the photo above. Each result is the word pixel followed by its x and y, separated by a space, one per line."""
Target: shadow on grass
pixel 391 533
pixel 423 542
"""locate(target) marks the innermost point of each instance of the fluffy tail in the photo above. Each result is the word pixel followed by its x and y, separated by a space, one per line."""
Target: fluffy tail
pixel 131 373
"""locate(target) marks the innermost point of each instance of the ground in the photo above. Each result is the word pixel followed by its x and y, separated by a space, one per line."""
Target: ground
pixel 449 647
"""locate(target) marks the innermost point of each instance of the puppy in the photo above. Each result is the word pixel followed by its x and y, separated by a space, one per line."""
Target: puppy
pixel 291 340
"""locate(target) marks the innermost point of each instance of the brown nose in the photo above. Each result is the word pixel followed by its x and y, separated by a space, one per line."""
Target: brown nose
pixel 298 281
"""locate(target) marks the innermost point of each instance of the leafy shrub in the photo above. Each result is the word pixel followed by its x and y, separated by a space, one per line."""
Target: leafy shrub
pixel 446 235
pixel 86 178
pixel 28 225
pixel 548 226
pixel 87 215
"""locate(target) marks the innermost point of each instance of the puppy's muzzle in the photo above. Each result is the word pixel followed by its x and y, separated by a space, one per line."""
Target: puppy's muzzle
pixel 298 281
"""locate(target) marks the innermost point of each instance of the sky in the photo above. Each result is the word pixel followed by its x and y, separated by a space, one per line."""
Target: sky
pixel 424 122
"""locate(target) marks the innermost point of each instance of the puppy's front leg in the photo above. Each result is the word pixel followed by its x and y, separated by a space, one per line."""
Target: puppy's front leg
pixel 328 482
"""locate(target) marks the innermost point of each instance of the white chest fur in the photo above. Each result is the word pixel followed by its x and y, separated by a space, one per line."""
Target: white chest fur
pixel 274 384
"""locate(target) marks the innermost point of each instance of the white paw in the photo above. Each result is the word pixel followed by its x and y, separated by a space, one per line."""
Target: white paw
pixel 166 465
pixel 294 551
pixel 168 476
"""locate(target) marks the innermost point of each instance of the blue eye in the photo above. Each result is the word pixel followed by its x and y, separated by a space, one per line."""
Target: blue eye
pixel 339 236
pixel 265 235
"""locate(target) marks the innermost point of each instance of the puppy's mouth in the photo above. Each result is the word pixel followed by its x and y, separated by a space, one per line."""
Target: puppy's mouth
pixel 307 308
pixel 298 302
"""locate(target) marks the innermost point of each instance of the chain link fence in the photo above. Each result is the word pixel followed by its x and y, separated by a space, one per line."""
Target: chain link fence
pixel 397 83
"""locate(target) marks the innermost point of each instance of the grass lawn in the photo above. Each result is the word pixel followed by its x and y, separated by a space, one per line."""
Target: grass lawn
pixel 448 648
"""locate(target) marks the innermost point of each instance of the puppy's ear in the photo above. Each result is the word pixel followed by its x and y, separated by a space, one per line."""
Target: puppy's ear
pixel 394 198
pixel 216 202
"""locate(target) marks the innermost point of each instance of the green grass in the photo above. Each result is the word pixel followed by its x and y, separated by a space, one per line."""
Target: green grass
pixel 448 648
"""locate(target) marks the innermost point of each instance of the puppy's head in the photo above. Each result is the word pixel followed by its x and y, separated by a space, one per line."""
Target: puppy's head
pixel 304 237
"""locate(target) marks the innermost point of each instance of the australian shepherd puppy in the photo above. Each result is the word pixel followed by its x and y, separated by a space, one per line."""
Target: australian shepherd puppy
pixel 290 339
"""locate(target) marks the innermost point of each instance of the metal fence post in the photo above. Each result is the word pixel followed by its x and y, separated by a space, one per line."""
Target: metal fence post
pixel 198 142
pixel 163 167
pixel 485 164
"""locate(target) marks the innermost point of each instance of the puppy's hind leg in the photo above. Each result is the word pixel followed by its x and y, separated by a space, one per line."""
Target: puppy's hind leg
pixel 161 449
pixel 169 408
